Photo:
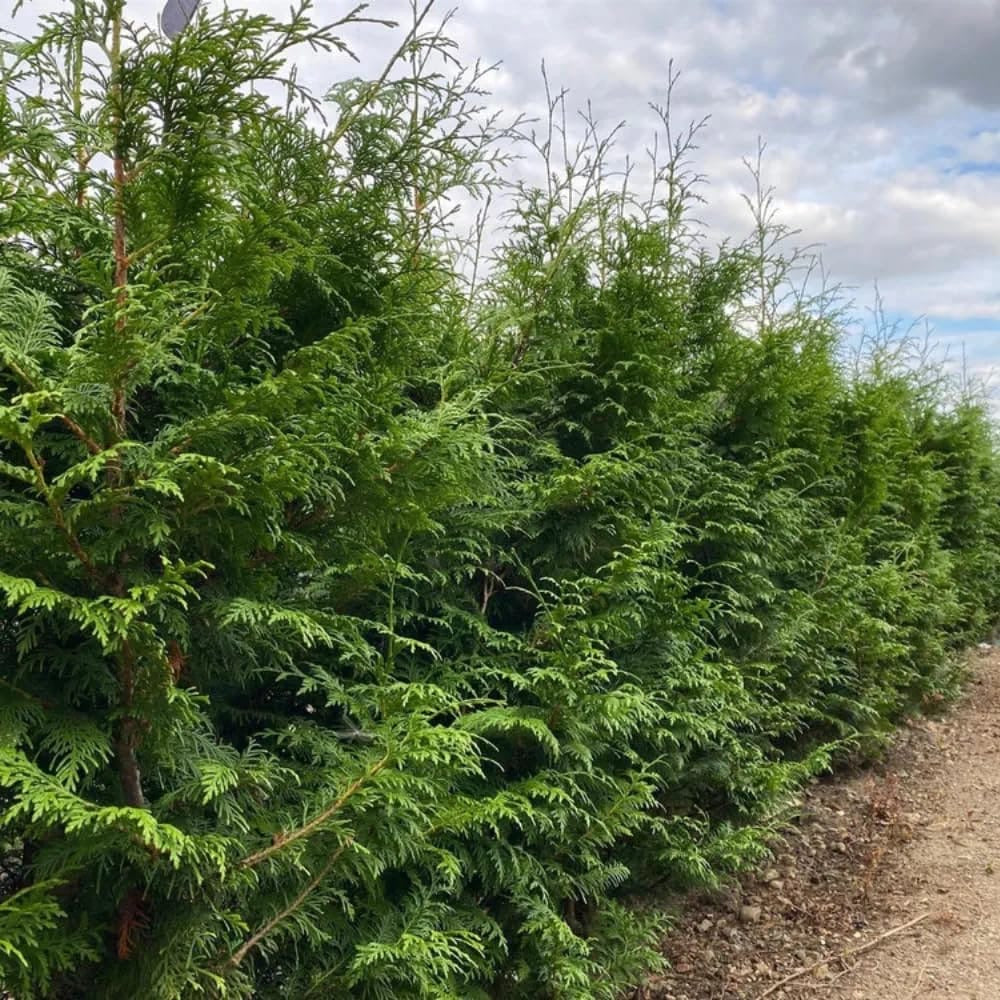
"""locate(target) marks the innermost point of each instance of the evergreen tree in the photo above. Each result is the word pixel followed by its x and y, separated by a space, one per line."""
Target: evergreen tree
pixel 366 630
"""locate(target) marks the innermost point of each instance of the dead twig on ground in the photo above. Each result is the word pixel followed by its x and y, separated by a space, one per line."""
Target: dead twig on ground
pixel 920 979
pixel 849 952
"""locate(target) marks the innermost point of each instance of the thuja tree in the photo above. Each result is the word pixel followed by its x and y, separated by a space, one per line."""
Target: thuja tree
pixel 365 630
pixel 756 535
pixel 225 418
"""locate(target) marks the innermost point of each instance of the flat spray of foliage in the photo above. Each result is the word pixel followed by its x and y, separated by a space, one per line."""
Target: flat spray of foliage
pixel 371 620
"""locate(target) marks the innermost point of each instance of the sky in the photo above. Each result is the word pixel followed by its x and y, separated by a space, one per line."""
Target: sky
pixel 882 123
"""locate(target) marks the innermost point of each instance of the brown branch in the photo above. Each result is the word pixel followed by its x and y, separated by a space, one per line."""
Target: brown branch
pixel 840 956
pixel 128 731
pixel 492 582
pixel 133 920
pixel 82 163
pixel 57 515
pixel 129 775
pixel 129 726
pixel 258 936
pixel 92 446
pixel 282 840
pixel 176 660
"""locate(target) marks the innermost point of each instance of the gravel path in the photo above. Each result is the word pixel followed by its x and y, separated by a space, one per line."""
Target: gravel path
pixel 953 869
pixel 887 888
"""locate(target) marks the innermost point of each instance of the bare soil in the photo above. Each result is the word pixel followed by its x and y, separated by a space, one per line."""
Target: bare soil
pixel 886 888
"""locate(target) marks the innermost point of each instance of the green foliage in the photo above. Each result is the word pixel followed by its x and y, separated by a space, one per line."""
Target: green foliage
pixel 370 628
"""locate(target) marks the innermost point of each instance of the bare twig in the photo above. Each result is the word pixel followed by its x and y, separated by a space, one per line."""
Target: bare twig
pixel 920 978
pixel 840 956
pixel 372 91
pixel 846 971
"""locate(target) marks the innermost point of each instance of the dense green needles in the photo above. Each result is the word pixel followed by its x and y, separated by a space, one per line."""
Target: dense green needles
pixel 371 619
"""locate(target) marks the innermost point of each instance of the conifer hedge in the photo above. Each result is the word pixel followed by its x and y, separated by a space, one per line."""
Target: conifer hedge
pixel 373 621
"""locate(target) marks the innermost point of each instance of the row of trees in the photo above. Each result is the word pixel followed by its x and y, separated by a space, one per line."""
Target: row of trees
pixel 373 620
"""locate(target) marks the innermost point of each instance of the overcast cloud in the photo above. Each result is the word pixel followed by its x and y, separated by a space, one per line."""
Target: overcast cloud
pixel 882 121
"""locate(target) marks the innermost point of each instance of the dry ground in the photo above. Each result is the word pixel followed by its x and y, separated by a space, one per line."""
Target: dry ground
pixel 887 888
